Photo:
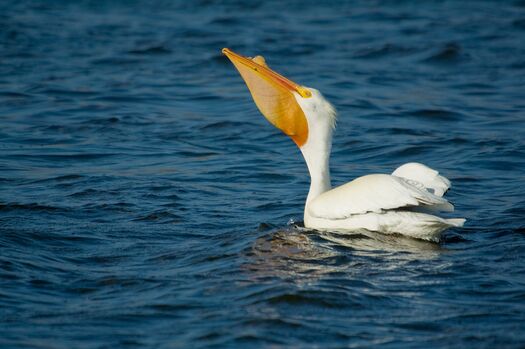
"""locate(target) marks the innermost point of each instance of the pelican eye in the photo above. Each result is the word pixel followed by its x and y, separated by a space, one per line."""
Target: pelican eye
pixel 304 92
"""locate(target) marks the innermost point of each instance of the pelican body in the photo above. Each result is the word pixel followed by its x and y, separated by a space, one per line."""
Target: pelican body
pixel 404 202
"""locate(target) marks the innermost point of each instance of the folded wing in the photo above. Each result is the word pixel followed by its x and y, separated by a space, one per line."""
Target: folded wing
pixel 375 193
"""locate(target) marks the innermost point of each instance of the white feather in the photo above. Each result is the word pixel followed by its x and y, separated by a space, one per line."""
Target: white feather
pixel 414 224
pixel 425 175
pixel 373 193
pixel 398 203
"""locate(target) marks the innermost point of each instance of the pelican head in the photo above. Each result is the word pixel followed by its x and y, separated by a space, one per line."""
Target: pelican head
pixel 300 112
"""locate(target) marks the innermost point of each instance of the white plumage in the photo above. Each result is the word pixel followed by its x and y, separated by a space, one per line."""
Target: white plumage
pixel 375 193
pixel 425 175
pixel 402 203
pixel 383 203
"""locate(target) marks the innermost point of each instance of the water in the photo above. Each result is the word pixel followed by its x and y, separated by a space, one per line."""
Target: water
pixel 144 202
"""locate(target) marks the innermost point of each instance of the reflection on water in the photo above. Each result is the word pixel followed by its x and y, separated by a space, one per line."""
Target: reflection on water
pixel 305 255
pixel 365 240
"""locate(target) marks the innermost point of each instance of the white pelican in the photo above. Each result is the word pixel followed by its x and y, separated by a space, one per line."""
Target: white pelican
pixel 399 203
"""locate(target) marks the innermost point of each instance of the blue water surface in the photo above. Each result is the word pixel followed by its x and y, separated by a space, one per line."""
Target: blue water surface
pixel 145 202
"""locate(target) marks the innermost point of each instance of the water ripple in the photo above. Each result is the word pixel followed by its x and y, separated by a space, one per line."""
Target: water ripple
pixel 145 202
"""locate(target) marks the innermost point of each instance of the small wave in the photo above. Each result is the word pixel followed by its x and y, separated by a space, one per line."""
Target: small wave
pixel 30 237
pixel 227 21
pixel 11 94
pixel 161 216
pixel 153 50
pixel 362 104
pixel 519 64
pixel 64 92
pixel 196 154
pixel 116 61
pixel 64 157
pixel 436 114
pixel 405 131
pixel 114 207
pixel 224 125
pixel 102 121
pixel 170 308
pixel 30 207
pixel 386 50
pixel 64 178
pixel 453 238
pixel 332 299
pixel 451 53
pixel 92 192
pixel 421 326
pixel 118 98
pixel 519 23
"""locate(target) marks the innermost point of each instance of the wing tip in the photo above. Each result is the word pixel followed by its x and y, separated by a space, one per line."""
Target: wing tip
pixel 430 178
pixel 456 222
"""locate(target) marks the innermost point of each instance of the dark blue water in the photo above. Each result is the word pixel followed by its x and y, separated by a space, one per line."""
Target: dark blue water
pixel 144 201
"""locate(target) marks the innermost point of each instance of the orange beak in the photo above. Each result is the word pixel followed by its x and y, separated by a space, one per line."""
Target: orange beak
pixel 274 95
